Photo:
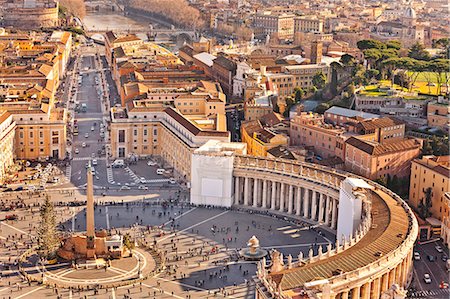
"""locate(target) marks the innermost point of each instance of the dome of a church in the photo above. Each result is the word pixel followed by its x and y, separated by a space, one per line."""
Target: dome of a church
pixel 410 13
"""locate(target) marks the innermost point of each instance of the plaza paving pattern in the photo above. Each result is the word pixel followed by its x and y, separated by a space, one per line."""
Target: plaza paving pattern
pixel 200 246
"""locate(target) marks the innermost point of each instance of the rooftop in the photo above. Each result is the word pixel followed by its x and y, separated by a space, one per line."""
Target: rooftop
pixel 389 226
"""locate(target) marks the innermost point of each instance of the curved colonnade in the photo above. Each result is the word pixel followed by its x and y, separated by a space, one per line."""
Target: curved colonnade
pixel 370 263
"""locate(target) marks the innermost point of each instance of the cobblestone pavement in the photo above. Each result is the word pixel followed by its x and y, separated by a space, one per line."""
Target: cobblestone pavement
pixel 200 246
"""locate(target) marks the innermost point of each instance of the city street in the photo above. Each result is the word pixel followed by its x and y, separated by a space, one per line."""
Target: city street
pixel 436 269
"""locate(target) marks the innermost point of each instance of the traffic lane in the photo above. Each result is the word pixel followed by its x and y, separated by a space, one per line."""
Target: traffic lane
pixel 437 273
pixel 439 267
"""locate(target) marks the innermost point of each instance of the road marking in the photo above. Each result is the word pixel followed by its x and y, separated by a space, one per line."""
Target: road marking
pixel 192 226
pixel 30 292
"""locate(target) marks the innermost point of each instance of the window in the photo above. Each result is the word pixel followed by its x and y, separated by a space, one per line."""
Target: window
pixel 135 132
pixel 145 132
pixel 31 134
pixel 121 137
pixel 155 132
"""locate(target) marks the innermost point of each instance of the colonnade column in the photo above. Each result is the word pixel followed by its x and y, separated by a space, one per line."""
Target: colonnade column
pixel 255 192
pixel 314 205
pixel 321 206
pixel 365 291
pixel 237 191
pixel 327 211
pixel 356 292
pixel 384 282
pixel 273 191
pixel 264 194
pixel 344 295
pixel 298 201
pixel 282 197
pixel 290 198
pixel 246 191
pixel 334 214
pixel 306 203
pixel 375 290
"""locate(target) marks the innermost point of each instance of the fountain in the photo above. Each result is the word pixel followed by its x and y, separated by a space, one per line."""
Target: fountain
pixel 253 252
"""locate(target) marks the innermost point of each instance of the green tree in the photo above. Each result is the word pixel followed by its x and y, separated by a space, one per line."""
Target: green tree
pixel 394 44
pixel 426 203
pixel 372 74
pixel 417 51
pixel 366 44
pixel 347 60
pixel 319 80
pixel 440 68
pixel 48 237
pixel 299 93
pixel 372 55
pixel 336 67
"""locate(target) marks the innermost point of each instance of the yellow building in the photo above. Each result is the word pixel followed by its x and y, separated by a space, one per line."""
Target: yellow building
pixel 7 132
pixel 259 140
pixel 145 130
pixel 430 172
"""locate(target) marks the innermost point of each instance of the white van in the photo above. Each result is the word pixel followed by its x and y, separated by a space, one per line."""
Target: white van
pixel 160 171
pixel 118 163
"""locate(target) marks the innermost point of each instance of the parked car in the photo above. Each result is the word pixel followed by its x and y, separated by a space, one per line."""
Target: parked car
pixel 427 278
pixel 77 151
pixel 151 163
pixel 142 180
pixel 431 258
pixel 142 187
pixel 160 171
pixel 172 181
pixel 125 188
pixel 439 249
pixel 118 163
pixel 86 135
pixel 83 144
pixel 94 162
pixel 417 256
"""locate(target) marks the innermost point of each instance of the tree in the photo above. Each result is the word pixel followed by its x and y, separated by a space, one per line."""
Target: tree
pixel 347 60
pixel 336 67
pixel 319 80
pixel 322 107
pixel 366 44
pixel 372 74
pixel 440 69
pixel 48 237
pixel 298 94
pixel 417 51
pixel 372 55
pixel 426 203
pixel 394 44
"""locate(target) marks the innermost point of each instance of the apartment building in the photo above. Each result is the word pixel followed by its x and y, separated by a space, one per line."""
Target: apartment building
pixel 308 24
pixel 7 134
pixel 431 172
pixel 259 139
pixel 309 130
pixel 276 25
pixel 375 160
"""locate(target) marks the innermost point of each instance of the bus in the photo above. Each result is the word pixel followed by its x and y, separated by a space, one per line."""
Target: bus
pixel 75 130
pixel 83 107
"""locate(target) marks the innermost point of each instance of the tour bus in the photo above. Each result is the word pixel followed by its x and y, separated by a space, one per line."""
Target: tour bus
pixel 83 107
pixel 75 130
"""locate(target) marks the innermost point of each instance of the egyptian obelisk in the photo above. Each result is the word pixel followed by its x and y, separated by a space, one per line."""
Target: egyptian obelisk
pixel 90 226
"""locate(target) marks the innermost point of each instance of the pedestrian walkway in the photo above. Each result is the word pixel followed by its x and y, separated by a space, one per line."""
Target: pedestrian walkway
pixel 110 175
pixel 69 172
pixel 87 159
pixel 438 293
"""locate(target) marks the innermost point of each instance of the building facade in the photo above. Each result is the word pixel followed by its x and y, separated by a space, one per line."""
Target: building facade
pixel 431 172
